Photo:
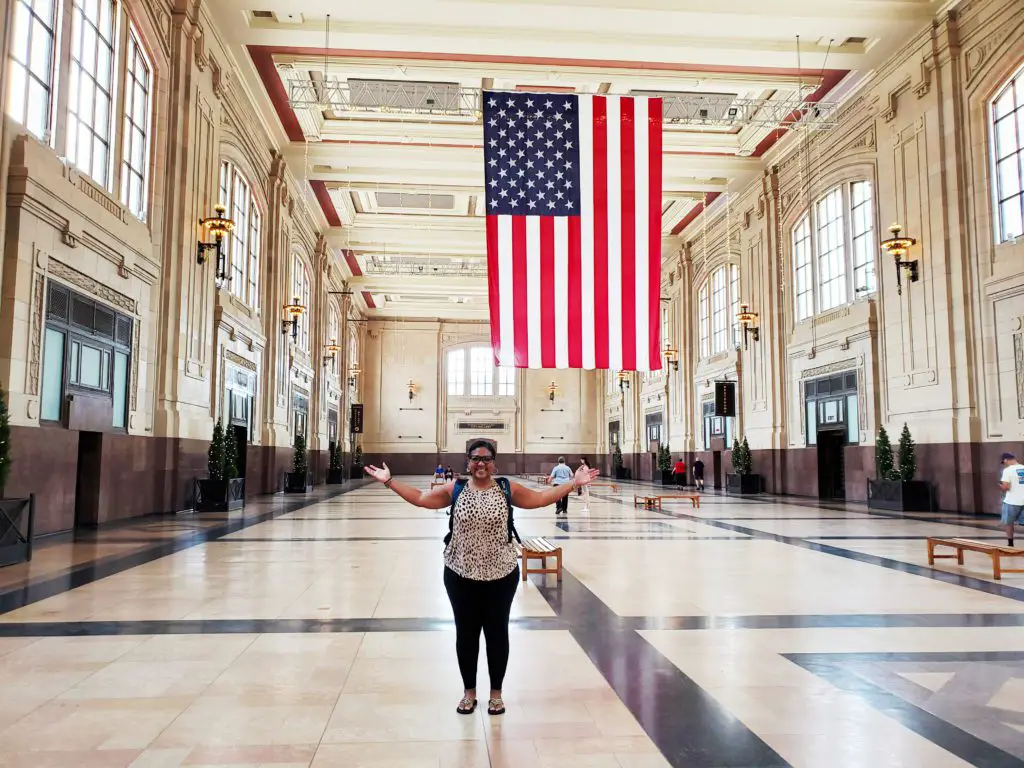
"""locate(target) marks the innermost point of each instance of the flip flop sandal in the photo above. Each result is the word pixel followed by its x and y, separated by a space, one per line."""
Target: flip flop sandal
pixel 467 706
pixel 495 707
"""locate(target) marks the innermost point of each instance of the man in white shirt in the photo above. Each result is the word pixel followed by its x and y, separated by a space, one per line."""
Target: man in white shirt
pixel 560 475
pixel 1012 484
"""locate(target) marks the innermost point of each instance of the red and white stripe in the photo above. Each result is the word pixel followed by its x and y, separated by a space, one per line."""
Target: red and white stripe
pixel 583 291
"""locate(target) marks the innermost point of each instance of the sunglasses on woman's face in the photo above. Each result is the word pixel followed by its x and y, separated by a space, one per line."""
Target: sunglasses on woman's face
pixel 480 459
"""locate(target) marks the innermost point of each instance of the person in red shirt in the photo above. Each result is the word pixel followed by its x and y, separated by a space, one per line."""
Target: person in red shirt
pixel 679 472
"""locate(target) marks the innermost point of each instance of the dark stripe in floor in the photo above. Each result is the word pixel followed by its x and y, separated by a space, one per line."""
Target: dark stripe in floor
pixel 683 720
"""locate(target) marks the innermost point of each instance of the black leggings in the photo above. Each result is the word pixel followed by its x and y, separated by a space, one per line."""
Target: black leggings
pixel 481 605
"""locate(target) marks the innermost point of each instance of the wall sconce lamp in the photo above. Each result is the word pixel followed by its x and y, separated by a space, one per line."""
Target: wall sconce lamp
pixel 331 351
pixel 219 226
pixel 672 356
pixel 552 390
pixel 748 322
pixel 623 378
pixel 412 389
pixel 353 374
pixel 897 247
pixel 294 311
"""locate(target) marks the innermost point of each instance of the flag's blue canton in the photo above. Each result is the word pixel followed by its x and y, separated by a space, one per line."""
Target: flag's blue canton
pixel 532 154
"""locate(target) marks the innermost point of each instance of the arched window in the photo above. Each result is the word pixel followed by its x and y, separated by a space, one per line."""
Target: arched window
pixel 107 83
pixel 834 250
pixel 301 291
pixel 1008 158
pixel 245 243
pixel 471 371
pixel 718 302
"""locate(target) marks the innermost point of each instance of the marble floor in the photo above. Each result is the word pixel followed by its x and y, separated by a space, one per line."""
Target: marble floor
pixel 315 631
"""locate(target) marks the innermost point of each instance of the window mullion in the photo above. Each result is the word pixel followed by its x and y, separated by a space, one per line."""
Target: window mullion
pixel 848 264
pixel 119 81
pixel 62 77
pixel 812 243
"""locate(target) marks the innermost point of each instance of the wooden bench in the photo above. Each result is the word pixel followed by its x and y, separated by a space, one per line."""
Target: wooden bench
pixel 995 551
pixel 540 549
pixel 614 486
pixel 438 484
pixel 654 502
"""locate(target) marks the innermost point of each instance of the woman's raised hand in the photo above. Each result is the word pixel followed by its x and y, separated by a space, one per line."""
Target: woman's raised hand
pixel 381 474
pixel 585 475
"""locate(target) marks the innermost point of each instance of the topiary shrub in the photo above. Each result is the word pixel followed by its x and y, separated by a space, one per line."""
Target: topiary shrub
pixel 907 456
pixel 300 463
pixel 215 454
pixel 5 442
pixel 230 454
pixel 883 457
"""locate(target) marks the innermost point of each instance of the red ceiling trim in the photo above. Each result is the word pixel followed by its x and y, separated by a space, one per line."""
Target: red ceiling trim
pixel 368 298
pixel 353 263
pixel 324 198
pixel 278 95
pixel 696 211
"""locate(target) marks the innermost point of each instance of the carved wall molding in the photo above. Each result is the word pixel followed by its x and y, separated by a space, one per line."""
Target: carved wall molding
pixel 824 370
pixel 136 334
pixel 978 57
pixel 35 335
pixel 92 286
pixel 241 362
pixel 892 100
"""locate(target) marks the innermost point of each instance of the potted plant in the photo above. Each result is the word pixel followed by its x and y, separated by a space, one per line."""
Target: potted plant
pixel 17 516
pixel 896 489
pixel 298 481
pixel 621 472
pixel 664 474
pixel 221 491
pixel 335 475
pixel 357 463
pixel 742 480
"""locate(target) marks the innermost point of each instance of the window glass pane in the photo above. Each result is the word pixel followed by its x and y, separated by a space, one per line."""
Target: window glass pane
pixel 812 423
pixel 1010 217
pixel 506 382
pixel 92 56
pixel 704 313
pixel 135 127
pixel 73 374
pixel 91 364
pixel 734 306
pixel 457 372
pixel 1008 154
pixel 719 322
pixel 862 218
pixel 852 420
pixel 120 389
pixel 53 376
pixel 30 65
pixel 831 251
pixel 481 371
pixel 804 291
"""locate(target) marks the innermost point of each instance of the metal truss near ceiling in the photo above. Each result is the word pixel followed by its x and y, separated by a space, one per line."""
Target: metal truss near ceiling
pixel 425 267
pixel 444 100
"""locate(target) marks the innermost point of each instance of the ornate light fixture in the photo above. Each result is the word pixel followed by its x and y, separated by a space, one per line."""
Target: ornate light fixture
pixel 331 352
pixel 748 322
pixel 623 378
pixel 552 390
pixel 671 356
pixel 353 374
pixel 412 389
pixel 897 247
pixel 294 311
pixel 219 227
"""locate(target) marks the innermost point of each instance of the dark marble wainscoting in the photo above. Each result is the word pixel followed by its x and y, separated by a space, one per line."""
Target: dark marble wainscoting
pixel 44 461
pixel 859 467
pixel 508 463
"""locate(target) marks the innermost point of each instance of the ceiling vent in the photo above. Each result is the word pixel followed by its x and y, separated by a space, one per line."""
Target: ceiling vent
pixel 417 201
pixel 262 14
pixel 403 94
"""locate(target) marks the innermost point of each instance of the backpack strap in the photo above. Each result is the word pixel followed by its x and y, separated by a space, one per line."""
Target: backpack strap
pixel 506 488
pixel 456 490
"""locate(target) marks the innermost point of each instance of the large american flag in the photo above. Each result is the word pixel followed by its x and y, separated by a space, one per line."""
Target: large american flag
pixel 573 230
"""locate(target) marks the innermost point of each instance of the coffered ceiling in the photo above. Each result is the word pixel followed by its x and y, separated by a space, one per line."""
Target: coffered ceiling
pixel 392 149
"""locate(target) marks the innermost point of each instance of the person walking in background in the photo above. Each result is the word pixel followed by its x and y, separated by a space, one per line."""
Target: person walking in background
pixel 439 472
pixel 480 569
pixel 1011 483
pixel 561 475
pixel 448 474
pixel 698 474
pixel 679 472
pixel 584 464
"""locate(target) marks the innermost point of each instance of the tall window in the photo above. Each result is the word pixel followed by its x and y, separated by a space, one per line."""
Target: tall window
pixel 1008 157
pixel 834 250
pixel 333 334
pixel 104 136
pixel 703 309
pixel 300 291
pixel 717 298
pixel 719 322
pixel 244 243
pixel 30 88
pixel 90 89
pixel 734 307
pixel 480 377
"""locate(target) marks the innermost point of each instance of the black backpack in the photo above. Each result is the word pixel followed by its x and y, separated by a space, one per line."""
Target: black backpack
pixel 505 489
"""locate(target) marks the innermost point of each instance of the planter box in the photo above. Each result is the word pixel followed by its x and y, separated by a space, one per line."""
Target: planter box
pixel 297 482
pixel 664 476
pixel 219 495
pixel 899 496
pixel 356 472
pixel 742 484
pixel 622 473
pixel 335 476
pixel 17 518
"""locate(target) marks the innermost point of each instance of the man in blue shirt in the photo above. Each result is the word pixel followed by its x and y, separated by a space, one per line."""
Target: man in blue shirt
pixel 560 475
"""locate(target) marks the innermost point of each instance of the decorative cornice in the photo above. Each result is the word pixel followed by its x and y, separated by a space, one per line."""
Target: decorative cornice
pixel 822 370
pixel 237 359
pixel 89 285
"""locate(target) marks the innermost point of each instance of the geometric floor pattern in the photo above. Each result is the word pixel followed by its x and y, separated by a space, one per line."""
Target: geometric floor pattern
pixel 314 630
